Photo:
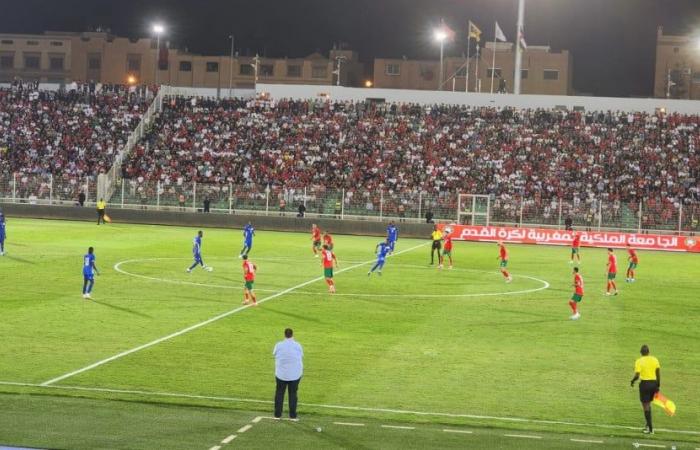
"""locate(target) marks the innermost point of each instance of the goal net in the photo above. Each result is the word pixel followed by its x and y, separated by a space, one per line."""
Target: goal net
pixel 473 209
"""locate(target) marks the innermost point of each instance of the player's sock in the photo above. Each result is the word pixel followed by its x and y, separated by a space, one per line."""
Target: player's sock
pixel 85 287
pixel 647 416
pixel 89 288
pixel 506 274
pixel 572 305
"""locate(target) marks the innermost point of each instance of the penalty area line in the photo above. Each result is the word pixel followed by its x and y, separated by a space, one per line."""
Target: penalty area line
pixel 206 322
pixel 346 408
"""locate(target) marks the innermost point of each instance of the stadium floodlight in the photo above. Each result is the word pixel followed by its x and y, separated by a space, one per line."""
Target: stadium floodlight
pixel 158 30
pixel 441 36
pixel 368 83
pixel 131 80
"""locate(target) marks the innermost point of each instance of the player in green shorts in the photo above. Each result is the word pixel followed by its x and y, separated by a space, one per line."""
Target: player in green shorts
pixel 577 296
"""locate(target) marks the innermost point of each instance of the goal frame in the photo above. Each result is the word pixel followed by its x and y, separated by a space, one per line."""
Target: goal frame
pixel 467 208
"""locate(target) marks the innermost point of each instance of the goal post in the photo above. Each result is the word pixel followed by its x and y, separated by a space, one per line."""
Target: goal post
pixel 473 209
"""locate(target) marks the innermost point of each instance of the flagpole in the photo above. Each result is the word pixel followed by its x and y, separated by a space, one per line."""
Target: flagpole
pixel 476 70
pixel 493 61
pixel 466 79
pixel 518 47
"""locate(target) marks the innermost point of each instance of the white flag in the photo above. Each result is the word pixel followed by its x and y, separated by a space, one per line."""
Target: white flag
pixel 499 34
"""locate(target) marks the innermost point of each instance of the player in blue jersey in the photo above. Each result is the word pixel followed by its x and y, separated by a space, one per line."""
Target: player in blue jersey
pixel 89 272
pixel 197 253
pixel 382 250
pixel 392 235
pixel 3 233
pixel 248 233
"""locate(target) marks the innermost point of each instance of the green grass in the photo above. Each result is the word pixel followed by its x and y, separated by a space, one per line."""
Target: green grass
pixel 416 339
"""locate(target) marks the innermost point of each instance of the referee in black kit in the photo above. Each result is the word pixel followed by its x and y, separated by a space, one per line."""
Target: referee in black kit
pixel 436 236
pixel 648 370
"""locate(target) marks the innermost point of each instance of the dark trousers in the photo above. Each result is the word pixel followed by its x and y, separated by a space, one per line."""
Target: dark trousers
pixel 279 396
pixel 100 216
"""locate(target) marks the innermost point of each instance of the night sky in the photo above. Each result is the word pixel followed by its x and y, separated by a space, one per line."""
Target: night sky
pixel 612 41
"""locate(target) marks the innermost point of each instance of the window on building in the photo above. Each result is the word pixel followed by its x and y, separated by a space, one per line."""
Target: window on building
pixel 246 69
pixel 56 44
pixel 461 72
pixel 212 66
pixel 56 62
pixel 7 42
pixel 523 74
pixel 393 69
pixel 185 66
pixel 32 61
pixel 319 72
pixel 551 74
pixel 266 70
pixel 676 49
pixel 32 42
pixel 133 63
pixel 496 73
pixel 94 62
pixel 294 71
pixel 696 77
pixel 7 61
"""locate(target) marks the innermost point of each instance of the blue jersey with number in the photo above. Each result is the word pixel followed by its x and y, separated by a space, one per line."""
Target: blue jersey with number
pixel 392 233
pixel 2 228
pixel 88 264
pixel 248 233
pixel 383 250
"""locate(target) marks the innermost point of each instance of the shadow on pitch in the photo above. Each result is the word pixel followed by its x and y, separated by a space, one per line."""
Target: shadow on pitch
pixel 122 309
pixel 296 316
pixel 18 259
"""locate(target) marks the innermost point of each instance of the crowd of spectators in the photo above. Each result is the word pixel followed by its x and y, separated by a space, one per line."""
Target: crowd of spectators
pixel 70 135
pixel 530 157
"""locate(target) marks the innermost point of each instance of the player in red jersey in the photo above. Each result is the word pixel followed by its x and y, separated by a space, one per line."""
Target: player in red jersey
pixel 503 256
pixel 633 260
pixel 327 259
pixel 316 239
pixel 578 294
pixel 249 276
pixel 575 248
pixel 328 240
pixel 612 272
pixel 446 249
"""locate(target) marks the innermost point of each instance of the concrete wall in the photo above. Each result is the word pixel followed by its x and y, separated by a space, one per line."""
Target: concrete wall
pixel 214 220
pixel 478 100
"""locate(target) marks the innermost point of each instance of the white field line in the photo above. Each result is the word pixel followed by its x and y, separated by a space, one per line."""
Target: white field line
pixel 545 284
pixel 448 430
pixel 244 428
pixel 216 447
pixel 349 424
pixel 398 427
pixel 639 444
pixel 586 441
pixel 257 419
pixel 205 323
pixel 228 439
pixel 347 408
pixel 522 436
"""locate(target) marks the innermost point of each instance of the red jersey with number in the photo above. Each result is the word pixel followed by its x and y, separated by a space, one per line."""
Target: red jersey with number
pixel 577 241
pixel 578 284
pixel 316 234
pixel 327 239
pixel 327 256
pixel 503 253
pixel 633 255
pixel 448 243
pixel 612 264
pixel 248 271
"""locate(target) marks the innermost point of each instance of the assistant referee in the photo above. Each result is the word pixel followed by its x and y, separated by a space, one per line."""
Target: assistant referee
pixel 436 236
pixel 648 370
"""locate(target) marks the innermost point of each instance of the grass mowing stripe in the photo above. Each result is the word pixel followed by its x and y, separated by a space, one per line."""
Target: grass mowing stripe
pixel 205 323
pixel 350 408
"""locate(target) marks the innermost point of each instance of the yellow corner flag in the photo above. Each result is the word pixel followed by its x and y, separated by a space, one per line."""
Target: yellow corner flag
pixel 108 219
pixel 667 405
pixel 474 32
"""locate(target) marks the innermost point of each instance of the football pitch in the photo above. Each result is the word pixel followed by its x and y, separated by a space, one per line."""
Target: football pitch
pixel 164 359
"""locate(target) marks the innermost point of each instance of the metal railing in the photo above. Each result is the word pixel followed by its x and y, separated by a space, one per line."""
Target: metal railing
pixel 646 215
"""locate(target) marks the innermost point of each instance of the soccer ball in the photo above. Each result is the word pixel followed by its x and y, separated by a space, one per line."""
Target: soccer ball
pixel 210 269
pixel 448 230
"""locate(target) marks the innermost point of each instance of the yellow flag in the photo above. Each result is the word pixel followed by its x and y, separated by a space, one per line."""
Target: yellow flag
pixel 667 405
pixel 474 32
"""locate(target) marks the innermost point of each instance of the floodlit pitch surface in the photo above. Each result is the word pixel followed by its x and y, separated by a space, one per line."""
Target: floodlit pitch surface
pixel 415 347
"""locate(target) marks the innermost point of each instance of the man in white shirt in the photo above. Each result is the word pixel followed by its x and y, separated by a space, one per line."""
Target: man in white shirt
pixel 289 368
